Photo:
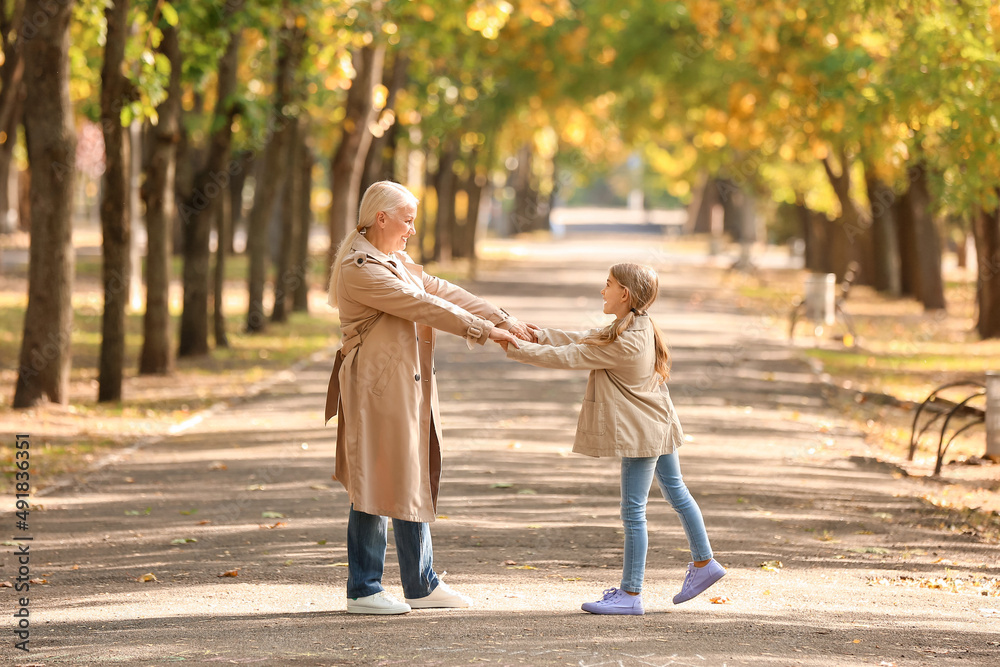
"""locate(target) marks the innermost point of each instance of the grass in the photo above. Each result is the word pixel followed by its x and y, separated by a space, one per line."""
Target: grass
pixel 70 438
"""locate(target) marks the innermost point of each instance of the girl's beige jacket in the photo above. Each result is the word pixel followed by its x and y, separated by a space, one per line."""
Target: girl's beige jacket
pixel 383 388
pixel 625 411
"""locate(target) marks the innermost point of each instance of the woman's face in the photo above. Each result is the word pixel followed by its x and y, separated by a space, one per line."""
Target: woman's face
pixel 398 227
pixel 616 298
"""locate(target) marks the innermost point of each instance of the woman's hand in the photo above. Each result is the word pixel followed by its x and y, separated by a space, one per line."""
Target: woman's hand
pixel 525 331
pixel 502 337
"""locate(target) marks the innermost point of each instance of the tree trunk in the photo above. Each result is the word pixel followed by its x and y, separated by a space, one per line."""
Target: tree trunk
pixel 287 273
pixel 928 283
pixel 12 70
pixel 855 229
pixel 116 225
pixel 243 165
pixel 223 220
pixel 525 214
pixel 347 165
pixel 306 160
pixel 986 231
pixel 7 185
pixel 11 99
pixel 474 189
pixel 199 212
pixel 156 357
pixel 51 144
pixel 271 178
pixel 885 238
pixel 380 151
pixel 444 186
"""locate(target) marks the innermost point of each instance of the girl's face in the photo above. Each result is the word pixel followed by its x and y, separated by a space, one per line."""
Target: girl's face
pixel 616 298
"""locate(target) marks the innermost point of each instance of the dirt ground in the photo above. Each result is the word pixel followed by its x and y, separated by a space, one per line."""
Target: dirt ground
pixel 832 559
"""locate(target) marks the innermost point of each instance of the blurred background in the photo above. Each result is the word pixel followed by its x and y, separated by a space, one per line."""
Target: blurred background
pixel 177 174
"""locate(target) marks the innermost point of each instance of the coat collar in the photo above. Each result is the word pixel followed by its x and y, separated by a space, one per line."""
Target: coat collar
pixel 394 260
pixel 639 322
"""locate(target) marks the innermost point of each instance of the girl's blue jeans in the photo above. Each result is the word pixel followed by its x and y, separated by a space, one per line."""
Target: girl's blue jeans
pixel 367 539
pixel 637 476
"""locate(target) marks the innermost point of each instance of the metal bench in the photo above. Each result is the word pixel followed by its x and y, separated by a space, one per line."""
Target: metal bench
pixel 965 414
pixel 805 307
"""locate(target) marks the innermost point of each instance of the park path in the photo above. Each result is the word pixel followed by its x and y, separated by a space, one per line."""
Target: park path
pixel 831 561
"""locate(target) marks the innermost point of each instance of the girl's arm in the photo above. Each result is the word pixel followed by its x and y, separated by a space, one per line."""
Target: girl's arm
pixel 573 356
pixel 559 337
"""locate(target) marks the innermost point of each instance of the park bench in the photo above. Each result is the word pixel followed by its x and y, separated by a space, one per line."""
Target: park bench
pixel 965 414
pixel 814 304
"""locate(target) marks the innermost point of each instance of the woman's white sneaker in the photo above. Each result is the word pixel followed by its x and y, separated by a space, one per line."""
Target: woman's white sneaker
pixel 380 603
pixel 441 597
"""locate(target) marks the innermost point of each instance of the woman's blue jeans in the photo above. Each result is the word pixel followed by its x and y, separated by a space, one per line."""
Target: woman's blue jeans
pixel 637 476
pixel 367 539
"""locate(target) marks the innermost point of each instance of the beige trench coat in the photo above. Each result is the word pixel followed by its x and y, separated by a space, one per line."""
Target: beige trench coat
pixel 625 411
pixel 384 391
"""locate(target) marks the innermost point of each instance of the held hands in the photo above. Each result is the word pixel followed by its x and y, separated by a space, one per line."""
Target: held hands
pixel 524 331
pixel 504 338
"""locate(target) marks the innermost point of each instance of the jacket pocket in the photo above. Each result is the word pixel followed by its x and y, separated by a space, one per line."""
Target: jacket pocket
pixel 385 375
pixel 593 418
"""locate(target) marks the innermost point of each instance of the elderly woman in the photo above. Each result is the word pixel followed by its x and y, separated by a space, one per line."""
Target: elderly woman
pixel 384 391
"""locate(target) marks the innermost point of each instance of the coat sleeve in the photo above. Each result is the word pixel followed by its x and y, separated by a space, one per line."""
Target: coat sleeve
pixel 375 286
pixel 467 301
pixel 573 356
pixel 560 337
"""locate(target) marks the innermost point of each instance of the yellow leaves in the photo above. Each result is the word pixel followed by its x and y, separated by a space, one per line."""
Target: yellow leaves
pixel 706 15
pixel 426 12
pixel 229 573
pixel 149 576
pixel 771 565
pixel 488 18
pixel 720 599
pixel 380 95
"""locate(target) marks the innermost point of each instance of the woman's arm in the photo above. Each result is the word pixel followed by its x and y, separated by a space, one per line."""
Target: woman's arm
pixel 375 286
pixel 477 306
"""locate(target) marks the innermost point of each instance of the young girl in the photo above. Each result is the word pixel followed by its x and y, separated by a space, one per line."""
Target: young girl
pixel 627 412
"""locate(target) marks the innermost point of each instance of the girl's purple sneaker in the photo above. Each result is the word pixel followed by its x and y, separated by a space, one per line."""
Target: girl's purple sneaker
pixel 616 601
pixel 698 580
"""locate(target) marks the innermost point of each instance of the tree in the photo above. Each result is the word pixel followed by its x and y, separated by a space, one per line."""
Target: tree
pixel 115 213
pixel 156 356
pixel 271 171
pixel 51 143
pixel 347 164
pixel 986 230
pixel 11 94
pixel 199 212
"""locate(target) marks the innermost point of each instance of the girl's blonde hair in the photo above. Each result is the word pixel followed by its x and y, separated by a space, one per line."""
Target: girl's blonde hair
pixel 381 196
pixel 643 287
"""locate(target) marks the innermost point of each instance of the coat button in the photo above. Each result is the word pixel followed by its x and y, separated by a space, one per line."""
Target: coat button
pixel 417 377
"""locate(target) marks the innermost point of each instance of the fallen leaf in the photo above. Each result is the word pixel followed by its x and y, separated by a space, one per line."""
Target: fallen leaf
pixel 571 578
pixel 771 565
pixel 6 584
pixel 527 492
pixel 501 485
pixel 522 567
pixel 75 567
pixel 272 515
pixel 321 542
pixel 38 581
pixel 720 599
pixel 319 487
pixel 857 641
pixel 149 576
pixel 204 522
pixel 218 465
pixel 230 573
pixel 442 516
pixel 279 524
pixel 183 540
pixel 340 565
pixel 510 562
pixel 189 512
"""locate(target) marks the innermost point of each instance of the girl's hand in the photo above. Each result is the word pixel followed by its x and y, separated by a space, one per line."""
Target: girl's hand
pixel 503 337
pixel 525 331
